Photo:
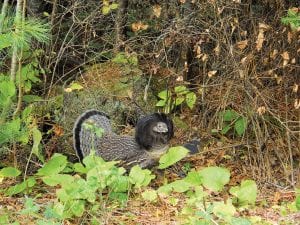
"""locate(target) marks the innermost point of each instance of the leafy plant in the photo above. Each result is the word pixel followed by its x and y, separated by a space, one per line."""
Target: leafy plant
pixel 292 19
pixel 170 99
pixel 232 121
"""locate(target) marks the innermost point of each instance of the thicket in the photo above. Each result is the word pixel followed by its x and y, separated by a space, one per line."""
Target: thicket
pixel 234 64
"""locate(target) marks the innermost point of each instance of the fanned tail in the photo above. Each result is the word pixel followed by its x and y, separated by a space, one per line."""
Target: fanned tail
pixel 81 138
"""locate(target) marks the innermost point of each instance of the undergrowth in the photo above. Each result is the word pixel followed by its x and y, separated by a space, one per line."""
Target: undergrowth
pixel 90 189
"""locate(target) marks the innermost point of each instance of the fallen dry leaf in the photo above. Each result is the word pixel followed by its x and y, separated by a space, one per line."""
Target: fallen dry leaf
pixel 242 44
pixel 286 58
pixel 262 27
pixel 261 110
pixel 297 103
pixel 139 26
pixel 295 88
pixel 211 73
pixel 157 10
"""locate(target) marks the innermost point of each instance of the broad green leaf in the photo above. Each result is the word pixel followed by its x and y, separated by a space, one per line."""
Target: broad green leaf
pixel 55 165
pixel 140 177
pixel 194 178
pixel 165 189
pixel 75 86
pixel 181 90
pixel 245 193
pixel 173 155
pixel 150 195
pixel 224 211
pixel 240 126
pixel 161 103
pixel 55 179
pixel 29 183
pixel 190 99
pixel 77 207
pixel 179 100
pixel 79 168
pixel 9 172
pixel 121 184
pixel 229 115
pixel 37 137
pixel 180 186
pixel 165 94
pixel 7 88
pixel 214 178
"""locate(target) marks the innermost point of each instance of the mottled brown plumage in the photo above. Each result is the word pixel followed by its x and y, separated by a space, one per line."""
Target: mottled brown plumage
pixel 153 133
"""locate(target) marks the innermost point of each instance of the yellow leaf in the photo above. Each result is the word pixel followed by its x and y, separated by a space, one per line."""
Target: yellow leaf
pixel 105 10
pixel 157 10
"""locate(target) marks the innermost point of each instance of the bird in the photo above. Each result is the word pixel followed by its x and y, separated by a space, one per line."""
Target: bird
pixel 92 131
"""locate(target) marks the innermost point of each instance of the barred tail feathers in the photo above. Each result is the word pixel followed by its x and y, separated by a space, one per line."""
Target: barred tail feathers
pixel 82 139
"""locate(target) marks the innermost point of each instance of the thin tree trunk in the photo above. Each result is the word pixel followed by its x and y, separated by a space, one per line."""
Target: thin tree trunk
pixel 3 14
pixel 120 25
pixel 14 60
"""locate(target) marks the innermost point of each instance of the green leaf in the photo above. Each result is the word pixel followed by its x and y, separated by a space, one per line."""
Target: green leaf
pixel 9 172
pixel 7 88
pixel 179 100
pixel 140 177
pixel 29 183
pixel 194 178
pixel 55 179
pixel 240 126
pixel 230 115
pixel 75 86
pixel 180 186
pixel 55 165
pixel 114 6
pixel 181 90
pixel 161 103
pixel 77 207
pixel 214 178
pixel 105 10
pixel 246 193
pixel 165 94
pixel 37 137
pixel 173 155
pixel 150 195
pixel 224 211
pixel 190 99
pixel 298 202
